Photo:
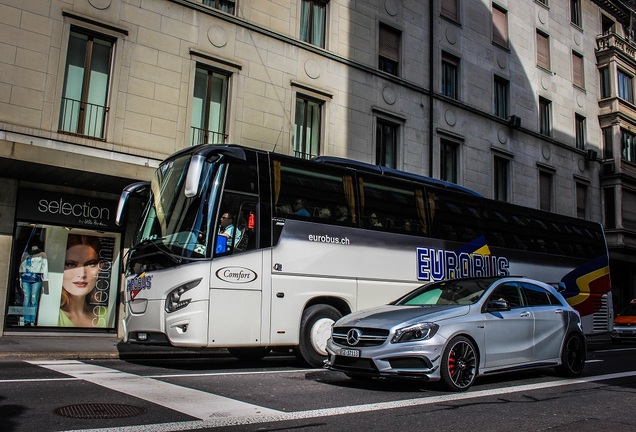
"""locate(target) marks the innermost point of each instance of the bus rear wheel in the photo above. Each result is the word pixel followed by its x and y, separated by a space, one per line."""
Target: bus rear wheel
pixel 315 330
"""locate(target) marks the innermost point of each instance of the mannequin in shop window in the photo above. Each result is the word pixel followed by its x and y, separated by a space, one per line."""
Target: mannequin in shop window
pixel 34 273
pixel 81 268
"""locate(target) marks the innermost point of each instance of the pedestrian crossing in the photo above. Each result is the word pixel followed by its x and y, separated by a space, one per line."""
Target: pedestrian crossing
pixel 210 410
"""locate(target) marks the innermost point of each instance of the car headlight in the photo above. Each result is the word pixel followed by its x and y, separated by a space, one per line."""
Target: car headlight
pixel 416 332
pixel 174 302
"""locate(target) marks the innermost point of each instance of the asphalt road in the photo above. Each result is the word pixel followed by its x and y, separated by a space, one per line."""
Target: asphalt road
pixel 221 393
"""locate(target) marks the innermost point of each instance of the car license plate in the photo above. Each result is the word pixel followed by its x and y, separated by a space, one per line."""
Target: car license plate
pixel 349 352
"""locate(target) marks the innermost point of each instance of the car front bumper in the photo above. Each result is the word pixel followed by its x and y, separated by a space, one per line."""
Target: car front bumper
pixel 416 360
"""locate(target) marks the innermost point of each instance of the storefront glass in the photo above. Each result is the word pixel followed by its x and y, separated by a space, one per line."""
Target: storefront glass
pixel 64 275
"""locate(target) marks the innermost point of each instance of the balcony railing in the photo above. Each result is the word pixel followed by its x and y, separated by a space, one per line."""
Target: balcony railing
pixel 612 40
pixel 203 136
pixel 82 118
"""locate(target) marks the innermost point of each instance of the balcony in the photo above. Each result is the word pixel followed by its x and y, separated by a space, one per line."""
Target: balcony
pixel 612 41
pixel 203 136
pixel 82 119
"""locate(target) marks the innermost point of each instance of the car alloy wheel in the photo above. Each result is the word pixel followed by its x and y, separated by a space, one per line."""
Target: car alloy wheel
pixel 459 364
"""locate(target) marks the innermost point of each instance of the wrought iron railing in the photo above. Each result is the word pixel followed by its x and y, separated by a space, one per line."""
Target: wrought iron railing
pixel 82 118
pixel 203 136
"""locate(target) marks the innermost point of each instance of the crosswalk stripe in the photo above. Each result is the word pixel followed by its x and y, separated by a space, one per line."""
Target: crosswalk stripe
pixel 195 403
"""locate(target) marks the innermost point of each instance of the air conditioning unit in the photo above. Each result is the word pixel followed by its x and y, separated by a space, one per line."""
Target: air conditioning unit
pixel 609 167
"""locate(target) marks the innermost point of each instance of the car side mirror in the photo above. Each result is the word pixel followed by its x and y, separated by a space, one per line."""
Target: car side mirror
pixel 497 306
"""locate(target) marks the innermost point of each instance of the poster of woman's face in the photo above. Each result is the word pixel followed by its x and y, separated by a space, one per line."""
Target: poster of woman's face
pixel 81 281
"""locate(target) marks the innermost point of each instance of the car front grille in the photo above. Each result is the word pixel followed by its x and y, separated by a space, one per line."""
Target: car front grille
pixel 352 363
pixel 369 337
pixel 410 363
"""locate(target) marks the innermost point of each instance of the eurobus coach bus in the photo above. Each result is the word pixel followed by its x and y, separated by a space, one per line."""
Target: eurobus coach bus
pixel 311 241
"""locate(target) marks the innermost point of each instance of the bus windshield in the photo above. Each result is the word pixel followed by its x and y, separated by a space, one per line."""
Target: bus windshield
pixel 174 227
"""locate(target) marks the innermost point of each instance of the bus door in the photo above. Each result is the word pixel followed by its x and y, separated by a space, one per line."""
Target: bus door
pixel 236 276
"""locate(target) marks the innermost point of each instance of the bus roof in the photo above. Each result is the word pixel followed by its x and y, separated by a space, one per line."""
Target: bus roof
pixel 391 172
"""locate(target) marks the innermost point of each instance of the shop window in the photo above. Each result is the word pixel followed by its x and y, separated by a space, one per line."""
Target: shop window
pixel 63 278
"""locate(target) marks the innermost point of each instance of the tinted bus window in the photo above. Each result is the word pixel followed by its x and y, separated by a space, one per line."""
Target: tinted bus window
pixel 455 217
pixel 392 206
pixel 326 196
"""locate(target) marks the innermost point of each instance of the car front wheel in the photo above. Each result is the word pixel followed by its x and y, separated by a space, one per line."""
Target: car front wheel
pixel 572 356
pixel 459 364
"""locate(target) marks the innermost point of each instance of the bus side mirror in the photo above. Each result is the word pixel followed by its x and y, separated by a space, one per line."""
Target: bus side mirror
pixel 123 199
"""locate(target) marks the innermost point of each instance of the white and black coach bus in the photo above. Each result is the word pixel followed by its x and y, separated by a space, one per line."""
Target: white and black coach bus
pixel 311 241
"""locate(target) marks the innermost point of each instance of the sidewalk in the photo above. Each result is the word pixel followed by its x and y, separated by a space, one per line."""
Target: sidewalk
pixel 17 346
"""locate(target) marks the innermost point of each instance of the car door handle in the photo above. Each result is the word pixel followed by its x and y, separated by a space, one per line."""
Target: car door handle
pixel 524 314
pixel 559 311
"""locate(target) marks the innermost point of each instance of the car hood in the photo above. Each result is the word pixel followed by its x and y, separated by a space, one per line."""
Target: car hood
pixel 390 315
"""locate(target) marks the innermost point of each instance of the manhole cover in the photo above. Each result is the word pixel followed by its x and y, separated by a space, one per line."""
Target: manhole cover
pixel 99 411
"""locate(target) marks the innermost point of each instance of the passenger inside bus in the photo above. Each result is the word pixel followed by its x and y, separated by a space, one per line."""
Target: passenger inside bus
pixel 299 208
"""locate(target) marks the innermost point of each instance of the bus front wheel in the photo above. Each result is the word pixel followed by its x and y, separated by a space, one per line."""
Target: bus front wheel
pixel 315 330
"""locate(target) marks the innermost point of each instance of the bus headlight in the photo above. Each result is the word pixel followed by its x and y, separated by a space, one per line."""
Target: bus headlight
pixel 416 332
pixel 174 302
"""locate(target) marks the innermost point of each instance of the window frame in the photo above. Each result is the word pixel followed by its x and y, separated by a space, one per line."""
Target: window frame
pixel 78 121
pixel 500 32
pixel 501 178
pixel 581 199
pixel 501 100
pixel 580 129
pixel 204 130
pixel 546 190
pixel 450 64
pixel 575 13
pixel 543 50
pixel 578 70
pixel 382 125
pixel 389 49
pixel 221 5
pixel 625 84
pixel 301 149
pixel 545 116
pixel 450 10
pixel 310 37
pixel 449 155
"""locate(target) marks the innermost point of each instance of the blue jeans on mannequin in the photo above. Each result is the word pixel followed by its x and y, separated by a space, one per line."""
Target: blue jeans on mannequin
pixel 31 292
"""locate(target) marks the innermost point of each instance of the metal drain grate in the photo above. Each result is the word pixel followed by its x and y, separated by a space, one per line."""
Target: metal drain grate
pixel 99 411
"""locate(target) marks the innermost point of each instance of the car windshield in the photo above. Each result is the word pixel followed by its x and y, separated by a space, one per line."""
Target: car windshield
pixel 453 292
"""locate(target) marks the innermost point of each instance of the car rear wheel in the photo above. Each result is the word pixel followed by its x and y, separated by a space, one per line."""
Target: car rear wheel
pixel 315 330
pixel 572 356
pixel 459 364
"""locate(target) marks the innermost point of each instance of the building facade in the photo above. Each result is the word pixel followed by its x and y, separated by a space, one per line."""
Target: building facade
pixel 502 97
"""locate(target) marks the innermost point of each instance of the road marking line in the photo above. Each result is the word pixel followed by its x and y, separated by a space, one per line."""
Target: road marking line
pixel 195 403
pixel 355 409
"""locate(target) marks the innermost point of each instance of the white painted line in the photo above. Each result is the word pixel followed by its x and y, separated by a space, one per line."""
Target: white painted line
pixel 195 403
pixel 355 409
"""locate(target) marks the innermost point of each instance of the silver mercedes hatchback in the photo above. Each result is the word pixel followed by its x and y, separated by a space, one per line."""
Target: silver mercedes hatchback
pixel 457 330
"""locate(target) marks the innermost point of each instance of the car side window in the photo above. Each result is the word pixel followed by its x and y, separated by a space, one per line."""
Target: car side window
pixel 510 293
pixel 535 295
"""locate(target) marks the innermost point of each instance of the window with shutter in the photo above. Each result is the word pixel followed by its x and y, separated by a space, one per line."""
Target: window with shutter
pixel 389 49
pixel 543 50
pixel 450 10
pixel 578 78
pixel 499 25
